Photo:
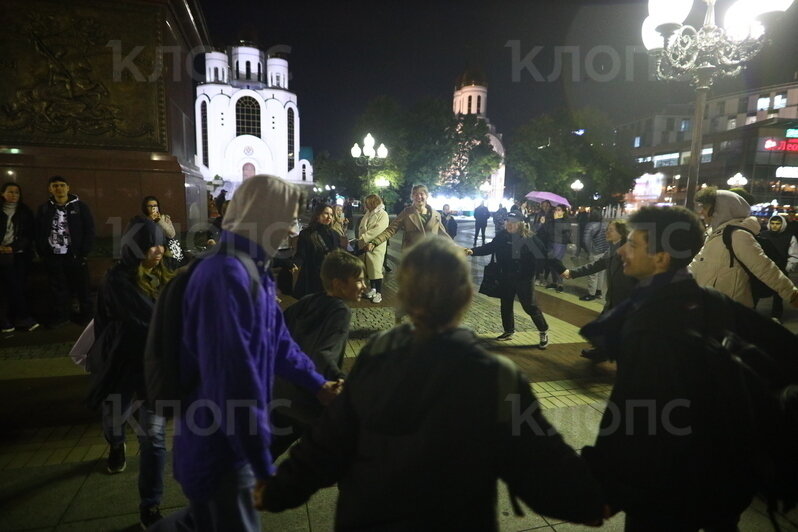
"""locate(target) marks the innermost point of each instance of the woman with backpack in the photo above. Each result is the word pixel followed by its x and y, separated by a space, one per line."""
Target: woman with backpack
pixel 125 303
pixel 714 265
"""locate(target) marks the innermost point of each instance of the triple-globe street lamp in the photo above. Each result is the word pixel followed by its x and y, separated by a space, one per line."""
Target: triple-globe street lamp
pixel 368 156
pixel 702 55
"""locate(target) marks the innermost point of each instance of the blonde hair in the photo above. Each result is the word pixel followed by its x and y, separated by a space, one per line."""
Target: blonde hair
pixel 152 283
pixel 435 286
pixel 372 201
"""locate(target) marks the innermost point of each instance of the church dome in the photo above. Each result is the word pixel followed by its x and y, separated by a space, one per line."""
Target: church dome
pixel 471 76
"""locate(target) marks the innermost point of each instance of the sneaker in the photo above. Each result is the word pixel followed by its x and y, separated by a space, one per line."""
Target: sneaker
pixel 116 459
pixel 370 294
pixel 544 340
pixel 504 336
pixel 598 294
pixel 28 324
pixel 587 298
pixel 149 516
pixel 7 327
pixel 377 298
pixel 560 289
pixel 551 285
pixel 777 320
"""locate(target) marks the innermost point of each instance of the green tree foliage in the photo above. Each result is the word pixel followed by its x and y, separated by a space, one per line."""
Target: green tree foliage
pixel 426 144
pixel 547 154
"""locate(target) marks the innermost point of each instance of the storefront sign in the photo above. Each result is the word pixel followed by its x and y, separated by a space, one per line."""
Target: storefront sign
pixel 791 133
pixel 790 145
pixel 787 172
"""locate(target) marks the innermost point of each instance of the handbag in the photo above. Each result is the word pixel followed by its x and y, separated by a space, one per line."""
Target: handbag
pixel 491 279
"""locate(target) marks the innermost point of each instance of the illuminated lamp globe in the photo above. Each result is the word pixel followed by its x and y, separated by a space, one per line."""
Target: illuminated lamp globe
pixel 740 20
pixel 652 39
pixel 355 151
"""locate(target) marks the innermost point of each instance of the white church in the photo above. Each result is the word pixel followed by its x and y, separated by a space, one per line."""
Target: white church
pixel 247 118
pixel 471 97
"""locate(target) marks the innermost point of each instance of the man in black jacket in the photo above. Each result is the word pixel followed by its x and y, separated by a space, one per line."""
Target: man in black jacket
pixel 64 237
pixel 319 323
pixel 667 453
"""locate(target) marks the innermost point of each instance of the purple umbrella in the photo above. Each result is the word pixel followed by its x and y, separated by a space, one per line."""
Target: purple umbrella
pixel 550 196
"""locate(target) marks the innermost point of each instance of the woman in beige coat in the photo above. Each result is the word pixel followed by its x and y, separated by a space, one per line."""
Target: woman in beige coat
pixel 711 267
pixel 417 221
pixel 374 222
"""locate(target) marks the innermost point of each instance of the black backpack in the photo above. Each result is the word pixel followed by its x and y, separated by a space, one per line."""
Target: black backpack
pixel 755 397
pixel 164 338
pixel 758 289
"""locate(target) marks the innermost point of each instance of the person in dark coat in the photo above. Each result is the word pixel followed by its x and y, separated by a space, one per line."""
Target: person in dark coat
pixel 556 234
pixel 16 249
pixel 619 285
pixel 319 324
pixel 595 241
pixel 448 221
pixel 519 255
pixel 313 244
pixel 481 215
pixel 430 459
pixel 786 244
pixel 125 303
pixel 666 454
pixel 64 238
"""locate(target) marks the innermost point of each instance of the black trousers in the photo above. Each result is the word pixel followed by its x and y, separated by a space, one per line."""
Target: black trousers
pixel 659 523
pixel 68 275
pixel 477 228
pixel 13 300
pixel 525 290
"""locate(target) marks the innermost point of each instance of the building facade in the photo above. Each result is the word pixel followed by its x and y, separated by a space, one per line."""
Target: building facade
pixel 754 133
pixel 471 98
pixel 248 119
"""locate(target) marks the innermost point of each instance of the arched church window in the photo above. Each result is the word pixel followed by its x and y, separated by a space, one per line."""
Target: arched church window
pixel 204 127
pixel 215 73
pixel 259 72
pixel 469 105
pixel 290 139
pixel 237 71
pixel 247 171
pixel 247 117
pixel 304 172
pixel 479 104
pixel 249 71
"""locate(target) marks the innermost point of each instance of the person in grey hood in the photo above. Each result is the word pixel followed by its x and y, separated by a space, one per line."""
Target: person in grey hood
pixel 64 237
pixel 712 266
pixel 786 246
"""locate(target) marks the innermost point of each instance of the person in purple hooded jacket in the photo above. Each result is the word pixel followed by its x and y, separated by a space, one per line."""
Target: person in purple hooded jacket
pixel 234 345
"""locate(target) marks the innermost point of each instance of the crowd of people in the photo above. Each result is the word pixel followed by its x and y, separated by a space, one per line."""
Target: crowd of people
pixel 426 418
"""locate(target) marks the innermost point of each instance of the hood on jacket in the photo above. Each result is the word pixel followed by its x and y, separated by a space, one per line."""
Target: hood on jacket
pixel 307 314
pixel 783 222
pixel 729 206
pixel 141 234
pixel 262 210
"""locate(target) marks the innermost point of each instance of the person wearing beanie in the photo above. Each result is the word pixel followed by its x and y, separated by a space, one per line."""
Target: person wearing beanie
pixel 786 246
pixel 712 266
pixel 125 303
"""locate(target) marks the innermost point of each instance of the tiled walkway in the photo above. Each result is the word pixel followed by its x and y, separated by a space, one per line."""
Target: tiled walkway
pixel 52 453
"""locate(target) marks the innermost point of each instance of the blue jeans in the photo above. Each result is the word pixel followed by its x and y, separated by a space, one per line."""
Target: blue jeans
pixel 230 509
pixel 117 409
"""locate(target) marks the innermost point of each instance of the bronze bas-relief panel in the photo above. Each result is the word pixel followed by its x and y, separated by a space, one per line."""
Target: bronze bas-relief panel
pixel 80 73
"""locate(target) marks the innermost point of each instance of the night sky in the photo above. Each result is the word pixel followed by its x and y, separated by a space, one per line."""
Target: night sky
pixel 346 53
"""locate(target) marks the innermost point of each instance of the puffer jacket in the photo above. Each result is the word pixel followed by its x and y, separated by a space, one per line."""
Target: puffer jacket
pixel 710 267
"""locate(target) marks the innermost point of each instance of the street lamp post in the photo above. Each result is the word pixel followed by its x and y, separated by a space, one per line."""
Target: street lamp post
pixel 705 54
pixel 368 156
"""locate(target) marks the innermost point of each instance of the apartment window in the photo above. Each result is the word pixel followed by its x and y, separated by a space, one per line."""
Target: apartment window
pixel 780 101
pixel 742 107
pixel 750 119
pixel 666 159
pixel 763 103
pixel 731 124
pixel 669 123
pixel 637 142
pixel 684 125
pixel 706 155
pixel 247 117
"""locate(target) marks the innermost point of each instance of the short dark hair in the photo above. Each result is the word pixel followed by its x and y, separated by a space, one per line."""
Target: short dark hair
pixel 676 231
pixel 57 179
pixel 144 203
pixel 339 264
pixel 11 184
